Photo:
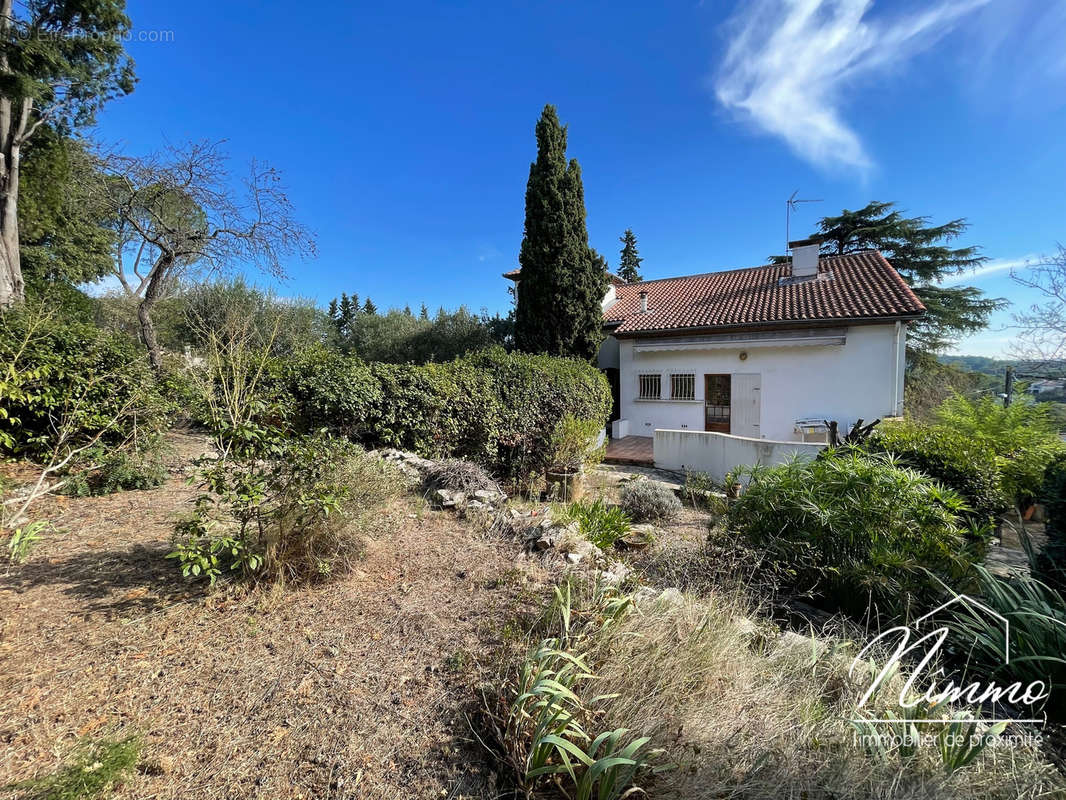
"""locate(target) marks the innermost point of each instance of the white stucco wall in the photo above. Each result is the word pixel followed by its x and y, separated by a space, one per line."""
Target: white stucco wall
pixel 862 378
pixel 718 453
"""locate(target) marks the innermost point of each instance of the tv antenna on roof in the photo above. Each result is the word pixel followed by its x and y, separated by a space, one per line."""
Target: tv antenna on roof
pixel 790 208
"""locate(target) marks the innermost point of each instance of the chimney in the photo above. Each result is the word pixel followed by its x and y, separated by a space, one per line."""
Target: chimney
pixel 805 257
pixel 643 302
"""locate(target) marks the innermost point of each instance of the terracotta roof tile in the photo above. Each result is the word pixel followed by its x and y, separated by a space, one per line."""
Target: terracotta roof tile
pixel 849 287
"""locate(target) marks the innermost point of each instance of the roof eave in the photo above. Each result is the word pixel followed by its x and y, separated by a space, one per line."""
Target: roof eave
pixel 828 322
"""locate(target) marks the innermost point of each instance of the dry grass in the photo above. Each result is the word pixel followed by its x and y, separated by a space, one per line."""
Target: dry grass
pixel 749 717
pixel 358 689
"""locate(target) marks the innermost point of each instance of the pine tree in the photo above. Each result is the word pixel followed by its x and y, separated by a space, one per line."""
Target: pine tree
pixel 921 255
pixel 344 312
pixel 629 264
pixel 369 307
pixel 424 313
pixel 333 310
pixel 562 280
pixel 407 311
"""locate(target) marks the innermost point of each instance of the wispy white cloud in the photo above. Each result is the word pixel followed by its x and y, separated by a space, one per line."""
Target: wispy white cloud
pixel 789 63
pixel 991 268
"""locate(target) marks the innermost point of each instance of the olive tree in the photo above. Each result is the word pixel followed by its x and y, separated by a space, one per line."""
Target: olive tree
pixel 181 212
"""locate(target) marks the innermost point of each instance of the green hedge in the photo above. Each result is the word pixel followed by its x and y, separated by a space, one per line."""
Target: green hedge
pixel 58 373
pixel 494 407
pixel 953 459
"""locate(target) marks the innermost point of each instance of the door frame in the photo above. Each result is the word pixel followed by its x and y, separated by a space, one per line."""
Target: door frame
pixel 717 426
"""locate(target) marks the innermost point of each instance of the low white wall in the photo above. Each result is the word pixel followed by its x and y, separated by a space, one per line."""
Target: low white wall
pixel 718 453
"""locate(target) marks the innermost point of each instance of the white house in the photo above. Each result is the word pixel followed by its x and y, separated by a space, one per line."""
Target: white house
pixel 767 352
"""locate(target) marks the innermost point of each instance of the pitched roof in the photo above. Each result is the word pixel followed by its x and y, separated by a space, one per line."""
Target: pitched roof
pixel 856 286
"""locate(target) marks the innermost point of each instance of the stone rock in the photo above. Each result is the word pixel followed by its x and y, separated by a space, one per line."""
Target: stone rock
pixel 615 574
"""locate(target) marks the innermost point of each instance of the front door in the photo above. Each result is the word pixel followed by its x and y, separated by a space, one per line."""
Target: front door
pixel 717 402
pixel 746 406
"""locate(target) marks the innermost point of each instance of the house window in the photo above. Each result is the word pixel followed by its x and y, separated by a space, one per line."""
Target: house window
pixel 651 387
pixel 683 386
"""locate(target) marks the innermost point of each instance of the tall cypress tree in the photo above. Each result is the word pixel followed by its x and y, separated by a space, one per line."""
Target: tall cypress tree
pixel 629 264
pixel 562 281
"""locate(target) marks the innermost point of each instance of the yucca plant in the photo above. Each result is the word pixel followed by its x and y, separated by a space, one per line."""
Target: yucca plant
pixel 1037 616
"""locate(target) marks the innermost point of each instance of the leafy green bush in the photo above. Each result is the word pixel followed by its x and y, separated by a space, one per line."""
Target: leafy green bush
pixel 436 410
pixel 1051 563
pixel 954 459
pixel 533 393
pixel 496 408
pixel 279 507
pixel 329 390
pixel 1021 435
pixel 857 530
pixel 573 444
pixel 65 383
pixel 1053 496
pixel 600 523
pixel 118 470
pixel 650 501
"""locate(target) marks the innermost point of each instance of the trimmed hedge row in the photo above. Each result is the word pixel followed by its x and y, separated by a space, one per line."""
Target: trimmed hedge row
pixel 493 407
pixel 953 459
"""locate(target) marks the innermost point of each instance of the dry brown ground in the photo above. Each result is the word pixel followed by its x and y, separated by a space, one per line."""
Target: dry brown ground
pixel 358 689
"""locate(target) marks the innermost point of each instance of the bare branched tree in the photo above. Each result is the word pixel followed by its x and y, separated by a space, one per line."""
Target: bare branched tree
pixel 179 212
pixel 1042 327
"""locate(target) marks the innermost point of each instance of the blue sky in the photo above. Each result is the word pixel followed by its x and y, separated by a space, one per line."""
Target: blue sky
pixel 405 131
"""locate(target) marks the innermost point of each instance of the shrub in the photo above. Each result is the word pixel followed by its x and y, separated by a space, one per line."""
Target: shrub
pixel 1053 496
pixel 573 444
pixel 1021 435
pixel 1037 616
pixel 459 476
pixel 437 410
pixel 329 390
pixel 858 531
pixel 702 491
pixel 66 383
pixel 956 460
pixel 279 508
pixel 137 467
pixel 650 501
pixel 533 393
pixel 1051 563
pixel 495 408
pixel 600 523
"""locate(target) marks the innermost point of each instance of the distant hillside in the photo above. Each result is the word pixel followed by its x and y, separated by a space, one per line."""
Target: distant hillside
pixel 997 366
pixel 982 364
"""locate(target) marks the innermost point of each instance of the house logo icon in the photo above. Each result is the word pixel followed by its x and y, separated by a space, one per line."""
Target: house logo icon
pixel 914 652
